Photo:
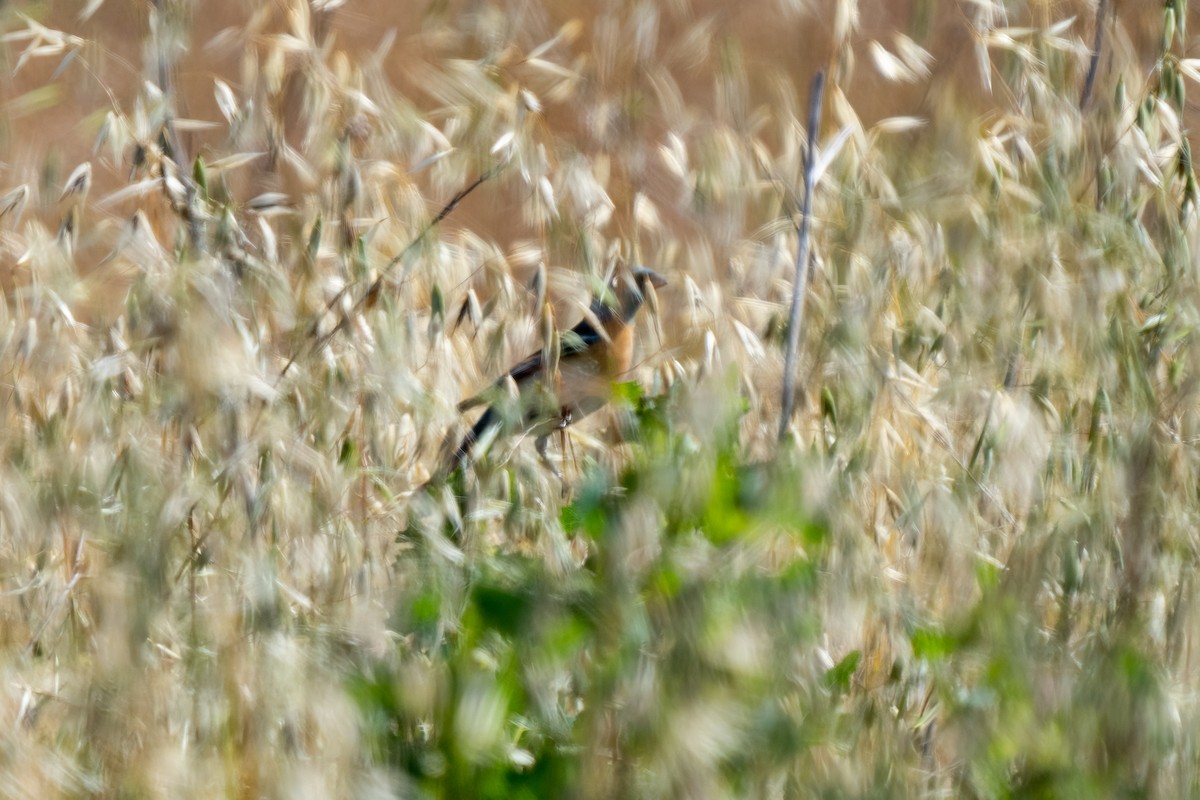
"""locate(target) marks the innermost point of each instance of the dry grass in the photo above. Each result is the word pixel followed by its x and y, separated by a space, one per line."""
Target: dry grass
pixel 240 307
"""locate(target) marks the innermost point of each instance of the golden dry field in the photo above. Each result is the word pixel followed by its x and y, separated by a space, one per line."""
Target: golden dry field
pixel 254 255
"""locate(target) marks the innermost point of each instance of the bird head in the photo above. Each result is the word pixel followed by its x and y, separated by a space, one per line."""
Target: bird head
pixel 627 292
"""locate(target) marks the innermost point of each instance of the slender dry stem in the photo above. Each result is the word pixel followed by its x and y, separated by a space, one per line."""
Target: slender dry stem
pixel 800 282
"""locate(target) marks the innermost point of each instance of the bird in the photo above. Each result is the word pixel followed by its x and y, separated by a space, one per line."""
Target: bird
pixel 555 392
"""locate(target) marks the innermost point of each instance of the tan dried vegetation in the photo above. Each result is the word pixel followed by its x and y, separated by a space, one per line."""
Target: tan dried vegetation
pixel 242 300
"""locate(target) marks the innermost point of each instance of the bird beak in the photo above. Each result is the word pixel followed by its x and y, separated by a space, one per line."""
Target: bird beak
pixel 643 274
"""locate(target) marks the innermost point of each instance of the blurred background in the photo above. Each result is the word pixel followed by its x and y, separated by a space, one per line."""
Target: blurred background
pixel 254 255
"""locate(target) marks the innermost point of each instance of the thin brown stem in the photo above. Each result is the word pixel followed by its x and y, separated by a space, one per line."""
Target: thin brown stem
pixel 372 293
pixel 1094 62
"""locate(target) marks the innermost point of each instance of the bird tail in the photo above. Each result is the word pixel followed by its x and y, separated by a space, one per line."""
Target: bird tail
pixel 459 457
pixel 482 424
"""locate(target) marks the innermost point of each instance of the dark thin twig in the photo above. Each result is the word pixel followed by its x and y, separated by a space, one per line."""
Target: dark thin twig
pixel 800 285
pixel 1094 63
pixel 165 65
pixel 376 286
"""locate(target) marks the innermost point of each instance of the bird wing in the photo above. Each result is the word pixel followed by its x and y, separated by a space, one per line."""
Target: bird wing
pixel 579 339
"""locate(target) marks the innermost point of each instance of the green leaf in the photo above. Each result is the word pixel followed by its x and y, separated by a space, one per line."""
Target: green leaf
pixel 628 392
pixel 932 645
pixel 200 176
pixel 348 456
pixel 838 676
pixel 437 303
pixel 502 608
pixel 314 242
